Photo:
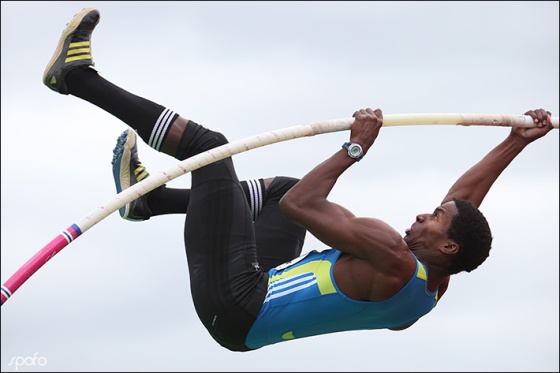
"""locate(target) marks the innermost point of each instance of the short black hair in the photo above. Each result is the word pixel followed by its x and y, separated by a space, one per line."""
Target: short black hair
pixel 470 229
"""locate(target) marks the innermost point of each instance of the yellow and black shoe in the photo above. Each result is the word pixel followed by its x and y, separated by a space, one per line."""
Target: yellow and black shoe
pixel 73 49
pixel 127 171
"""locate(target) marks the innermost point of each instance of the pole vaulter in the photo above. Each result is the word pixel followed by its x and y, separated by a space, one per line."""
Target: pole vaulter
pixel 75 230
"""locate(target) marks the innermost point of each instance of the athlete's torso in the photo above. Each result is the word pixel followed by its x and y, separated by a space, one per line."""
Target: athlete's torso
pixel 303 300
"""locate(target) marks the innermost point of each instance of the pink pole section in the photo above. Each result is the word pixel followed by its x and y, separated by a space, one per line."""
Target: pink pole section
pixel 38 260
pixel 236 147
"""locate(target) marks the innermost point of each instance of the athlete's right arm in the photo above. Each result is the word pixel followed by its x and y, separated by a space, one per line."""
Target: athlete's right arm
pixel 306 202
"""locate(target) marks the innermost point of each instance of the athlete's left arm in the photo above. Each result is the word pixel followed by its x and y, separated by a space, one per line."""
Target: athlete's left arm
pixel 474 184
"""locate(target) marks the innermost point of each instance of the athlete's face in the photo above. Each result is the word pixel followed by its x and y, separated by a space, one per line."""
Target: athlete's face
pixel 432 227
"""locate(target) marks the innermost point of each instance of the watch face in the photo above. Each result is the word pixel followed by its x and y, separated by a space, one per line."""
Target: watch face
pixel 355 151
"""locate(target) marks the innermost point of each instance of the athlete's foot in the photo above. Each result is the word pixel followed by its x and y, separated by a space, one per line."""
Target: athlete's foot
pixel 73 50
pixel 127 171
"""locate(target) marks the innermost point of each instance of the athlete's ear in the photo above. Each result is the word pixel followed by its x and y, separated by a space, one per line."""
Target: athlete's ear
pixel 450 247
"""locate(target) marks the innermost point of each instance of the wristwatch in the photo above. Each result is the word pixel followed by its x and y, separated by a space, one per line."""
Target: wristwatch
pixel 354 150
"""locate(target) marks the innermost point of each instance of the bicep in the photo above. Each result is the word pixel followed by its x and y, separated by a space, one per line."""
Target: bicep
pixel 337 227
pixel 328 221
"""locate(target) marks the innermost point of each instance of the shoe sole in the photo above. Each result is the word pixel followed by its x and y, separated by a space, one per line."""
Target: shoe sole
pixel 121 171
pixel 58 57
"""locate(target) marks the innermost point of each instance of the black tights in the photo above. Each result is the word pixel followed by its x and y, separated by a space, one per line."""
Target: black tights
pixel 228 253
pixel 272 229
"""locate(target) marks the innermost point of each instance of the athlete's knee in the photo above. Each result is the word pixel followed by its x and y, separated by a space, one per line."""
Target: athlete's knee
pixel 279 185
pixel 197 139
pixel 220 138
pixel 284 182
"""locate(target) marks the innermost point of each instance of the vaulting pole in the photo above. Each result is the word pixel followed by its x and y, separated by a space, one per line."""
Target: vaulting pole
pixel 200 160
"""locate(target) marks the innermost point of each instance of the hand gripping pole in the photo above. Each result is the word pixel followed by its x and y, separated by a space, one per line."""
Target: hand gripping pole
pixel 227 150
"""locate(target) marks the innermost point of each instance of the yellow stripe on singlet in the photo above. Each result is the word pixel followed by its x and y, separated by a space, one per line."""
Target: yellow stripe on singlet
pixel 321 269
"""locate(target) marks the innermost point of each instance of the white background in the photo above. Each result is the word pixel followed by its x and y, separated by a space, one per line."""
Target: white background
pixel 118 298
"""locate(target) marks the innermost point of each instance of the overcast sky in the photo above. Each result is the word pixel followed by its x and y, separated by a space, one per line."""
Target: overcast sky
pixel 118 298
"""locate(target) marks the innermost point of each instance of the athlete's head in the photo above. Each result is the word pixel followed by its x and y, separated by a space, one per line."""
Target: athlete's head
pixel 455 236
pixel 470 230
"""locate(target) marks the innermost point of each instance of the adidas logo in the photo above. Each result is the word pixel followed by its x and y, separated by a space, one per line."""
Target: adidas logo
pixel 141 173
pixel 78 51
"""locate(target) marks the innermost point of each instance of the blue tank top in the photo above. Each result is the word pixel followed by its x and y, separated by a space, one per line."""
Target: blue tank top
pixel 303 300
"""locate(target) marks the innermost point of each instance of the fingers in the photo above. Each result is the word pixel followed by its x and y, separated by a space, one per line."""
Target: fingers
pixel 541 117
pixel 368 111
pixel 363 112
